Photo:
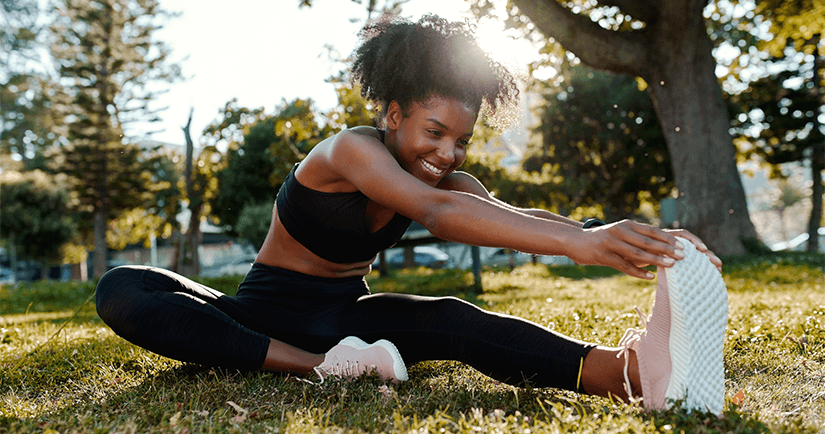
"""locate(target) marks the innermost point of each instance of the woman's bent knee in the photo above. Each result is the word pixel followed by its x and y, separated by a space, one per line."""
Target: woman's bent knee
pixel 115 290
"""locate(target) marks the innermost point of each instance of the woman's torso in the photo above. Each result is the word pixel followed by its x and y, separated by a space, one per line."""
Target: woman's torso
pixel 312 181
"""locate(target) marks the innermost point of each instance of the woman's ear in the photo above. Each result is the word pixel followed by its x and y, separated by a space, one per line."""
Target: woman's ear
pixel 394 115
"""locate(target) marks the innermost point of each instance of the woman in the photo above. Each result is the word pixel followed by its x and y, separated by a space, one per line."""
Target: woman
pixel 354 195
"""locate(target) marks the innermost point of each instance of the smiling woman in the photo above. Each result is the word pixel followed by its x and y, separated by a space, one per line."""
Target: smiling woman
pixel 355 194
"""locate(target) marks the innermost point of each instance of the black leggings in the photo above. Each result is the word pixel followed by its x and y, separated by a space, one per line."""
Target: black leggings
pixel 175 317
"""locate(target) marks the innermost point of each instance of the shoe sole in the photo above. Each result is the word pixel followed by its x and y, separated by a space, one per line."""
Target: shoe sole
pixel 699 314
pixel 398 366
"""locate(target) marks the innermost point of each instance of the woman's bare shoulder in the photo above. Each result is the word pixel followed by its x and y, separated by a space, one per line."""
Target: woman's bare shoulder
pixel 366 131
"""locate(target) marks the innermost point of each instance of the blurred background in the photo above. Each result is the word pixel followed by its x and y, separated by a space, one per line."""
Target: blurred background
pixel 158 132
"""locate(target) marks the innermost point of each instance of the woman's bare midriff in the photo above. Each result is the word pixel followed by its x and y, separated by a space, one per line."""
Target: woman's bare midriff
pixel 283 251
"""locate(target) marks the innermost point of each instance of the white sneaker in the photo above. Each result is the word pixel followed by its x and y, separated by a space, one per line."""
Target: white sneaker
pixel 680 352
pixel 352 358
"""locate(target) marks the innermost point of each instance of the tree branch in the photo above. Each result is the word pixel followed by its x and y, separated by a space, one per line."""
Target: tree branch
pixel 597 47
pixel 642 10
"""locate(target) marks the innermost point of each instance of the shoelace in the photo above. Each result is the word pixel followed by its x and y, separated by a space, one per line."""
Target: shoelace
pixel 630 341
pixel 347 369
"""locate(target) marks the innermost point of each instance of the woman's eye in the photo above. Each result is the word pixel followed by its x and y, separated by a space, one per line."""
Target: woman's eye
pixel 464 143
pixel 435 133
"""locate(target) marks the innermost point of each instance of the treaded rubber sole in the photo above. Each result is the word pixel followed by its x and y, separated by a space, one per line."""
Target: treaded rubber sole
pixel 398 366
pixel 699 315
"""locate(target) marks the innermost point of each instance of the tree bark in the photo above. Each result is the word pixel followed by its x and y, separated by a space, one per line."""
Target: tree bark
pixel 817 162
pixel 673 54
pixel 194 233
pixel 100 255
pixel 688 101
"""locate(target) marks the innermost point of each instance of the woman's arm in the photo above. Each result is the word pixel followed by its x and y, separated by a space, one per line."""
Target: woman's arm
pixel 463 181
pixel 470 219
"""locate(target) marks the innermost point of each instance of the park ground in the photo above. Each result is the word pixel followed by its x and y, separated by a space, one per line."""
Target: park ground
pixel 64 371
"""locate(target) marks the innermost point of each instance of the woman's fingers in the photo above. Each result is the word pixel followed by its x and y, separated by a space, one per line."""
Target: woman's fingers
pixel 642 244
pixel 629 247
pixel 699 246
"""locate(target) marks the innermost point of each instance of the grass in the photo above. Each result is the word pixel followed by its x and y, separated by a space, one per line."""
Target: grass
pixel 64 371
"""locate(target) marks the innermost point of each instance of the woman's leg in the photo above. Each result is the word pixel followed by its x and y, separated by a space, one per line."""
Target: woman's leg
pixel 505 347
pixel 178 318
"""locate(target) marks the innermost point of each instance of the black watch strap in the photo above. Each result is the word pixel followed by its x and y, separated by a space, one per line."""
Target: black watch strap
pixel 592 223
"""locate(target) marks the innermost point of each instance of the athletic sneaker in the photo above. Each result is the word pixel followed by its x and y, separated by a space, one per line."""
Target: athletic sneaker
pixel 352 358
pixel 680 349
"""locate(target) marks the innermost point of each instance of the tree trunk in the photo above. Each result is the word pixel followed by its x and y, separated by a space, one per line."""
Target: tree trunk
pixel 194 234
pixel 194 240
pixel 673 54
pixel 100 255
pixel 817 163
pixel 689 104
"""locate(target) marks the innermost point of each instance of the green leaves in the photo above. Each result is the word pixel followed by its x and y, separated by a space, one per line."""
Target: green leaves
pixel 34 213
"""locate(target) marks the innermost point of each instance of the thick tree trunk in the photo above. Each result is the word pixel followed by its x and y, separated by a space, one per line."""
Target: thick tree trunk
pixel 673 54
pixel 695 121
pixel 101 249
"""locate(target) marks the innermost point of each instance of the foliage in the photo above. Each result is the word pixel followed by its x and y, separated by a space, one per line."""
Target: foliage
pixel 606 151
pixel 34 213
pixel 222 135
pixel 637 38
pixel 796 23
pixel 29 125
pixel 352 109
pixel 253 223
pixel 107 57
pixel 87 379
pixel 777 119
pixel 257 165
pixel 780 110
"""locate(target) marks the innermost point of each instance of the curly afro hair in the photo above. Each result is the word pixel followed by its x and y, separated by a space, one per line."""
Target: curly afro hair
pixel 408 62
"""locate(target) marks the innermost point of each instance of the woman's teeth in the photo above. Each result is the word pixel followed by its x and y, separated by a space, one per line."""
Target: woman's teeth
pixel 435 170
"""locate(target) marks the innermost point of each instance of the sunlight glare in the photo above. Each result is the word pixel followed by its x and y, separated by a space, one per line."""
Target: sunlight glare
pixel 505 46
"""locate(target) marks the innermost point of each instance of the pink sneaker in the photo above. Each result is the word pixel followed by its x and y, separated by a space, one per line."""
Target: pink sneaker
pixel 681 348
pixel 352 358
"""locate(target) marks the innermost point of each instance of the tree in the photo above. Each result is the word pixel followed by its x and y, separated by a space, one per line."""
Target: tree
pixel 193 235
pixel 784 106
pixel 253 223
pixel 666 44
pixel 35 213
pixel 778 124
pixel 107 57
pixel 607 153
pixel 28 124
pixel 257 166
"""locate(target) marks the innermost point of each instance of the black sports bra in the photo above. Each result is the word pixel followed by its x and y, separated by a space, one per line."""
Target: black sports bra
pixel 334 225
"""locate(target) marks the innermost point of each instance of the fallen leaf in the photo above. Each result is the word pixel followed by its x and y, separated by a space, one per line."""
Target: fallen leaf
pixel 173 421
pixel 739 398
pixel 242 412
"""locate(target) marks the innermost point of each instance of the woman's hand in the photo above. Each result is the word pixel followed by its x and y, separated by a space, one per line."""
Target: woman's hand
pixel 699 245
pixel 629 247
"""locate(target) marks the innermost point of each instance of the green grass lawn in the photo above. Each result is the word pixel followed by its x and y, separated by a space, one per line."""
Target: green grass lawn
pixel 64 371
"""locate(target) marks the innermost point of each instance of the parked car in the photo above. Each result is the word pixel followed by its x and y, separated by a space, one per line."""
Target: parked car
pixel 424 256
pixel 239 266
pixel 7 277
pixel 503 258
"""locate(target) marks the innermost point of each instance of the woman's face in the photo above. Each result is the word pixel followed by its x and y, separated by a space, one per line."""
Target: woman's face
pixel 430 142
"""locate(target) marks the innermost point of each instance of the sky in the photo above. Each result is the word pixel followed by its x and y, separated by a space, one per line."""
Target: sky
pixel 264 51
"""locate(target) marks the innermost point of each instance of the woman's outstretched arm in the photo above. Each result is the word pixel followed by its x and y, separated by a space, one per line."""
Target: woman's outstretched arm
pixel 468 218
